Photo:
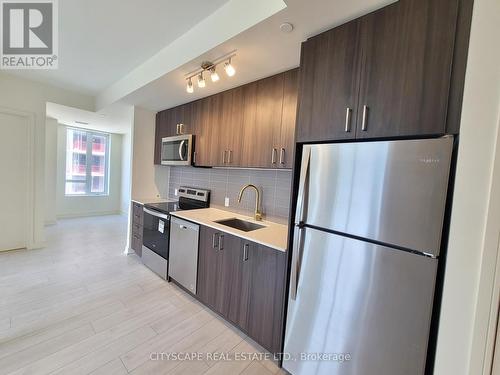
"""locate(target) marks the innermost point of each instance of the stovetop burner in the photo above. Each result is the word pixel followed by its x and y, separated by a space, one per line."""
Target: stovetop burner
pixel 189 199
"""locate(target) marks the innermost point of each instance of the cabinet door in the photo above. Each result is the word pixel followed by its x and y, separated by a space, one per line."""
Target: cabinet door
pixel 285 139
pixel 266 303
pixel 208 266
pixel 407 52
pixel 231 279
pixel 261 120
pixel 206 115
pixel 231 122
pixel 329 85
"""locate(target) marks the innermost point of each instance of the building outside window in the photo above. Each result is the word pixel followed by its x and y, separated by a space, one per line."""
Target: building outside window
pixel 87 162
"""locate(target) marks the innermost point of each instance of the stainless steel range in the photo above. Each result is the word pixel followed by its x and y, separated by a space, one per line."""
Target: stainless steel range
pixel 156 232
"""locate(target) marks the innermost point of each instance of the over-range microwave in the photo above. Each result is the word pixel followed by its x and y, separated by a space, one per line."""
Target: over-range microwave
pixel 177 150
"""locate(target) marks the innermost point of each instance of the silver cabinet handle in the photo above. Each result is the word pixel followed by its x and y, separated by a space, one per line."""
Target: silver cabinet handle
pixel 296 261
pixel 215 240
pixel 245 252
pixel 229 153
pixel 348 120
pixel 181 128
pixel 177 131
pixel 304 176
pixel 273 156
pixel 282 155
pixel 223 157
pixel 364 123
pixel 221 242
pixel 194 157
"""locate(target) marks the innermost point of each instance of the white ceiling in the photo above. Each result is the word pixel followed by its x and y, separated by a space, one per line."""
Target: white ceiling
pixel 101 41
pixel 262 50
pixel 116 118
pixel 122 51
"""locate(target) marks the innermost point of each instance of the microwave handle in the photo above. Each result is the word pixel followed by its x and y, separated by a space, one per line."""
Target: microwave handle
pixel 181 145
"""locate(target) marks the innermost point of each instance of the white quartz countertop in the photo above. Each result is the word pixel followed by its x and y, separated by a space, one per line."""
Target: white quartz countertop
pixel 142 200
pixel 274 235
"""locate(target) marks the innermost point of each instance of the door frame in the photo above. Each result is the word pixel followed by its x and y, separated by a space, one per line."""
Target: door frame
pixel 30 173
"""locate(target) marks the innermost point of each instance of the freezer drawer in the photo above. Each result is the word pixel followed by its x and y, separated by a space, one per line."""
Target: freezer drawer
pixel 353 297
pixel 183 260
pixel 393 192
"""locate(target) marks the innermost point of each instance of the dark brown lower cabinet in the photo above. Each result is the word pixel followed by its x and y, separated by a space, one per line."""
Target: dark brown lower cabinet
pixel 267 294
pixel 137 224
pixel 245 283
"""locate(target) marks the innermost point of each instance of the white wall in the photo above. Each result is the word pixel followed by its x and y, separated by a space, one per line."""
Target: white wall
pixel 148 180
pixel 75 206
pixel 460 347
pixel 50 170
pixel 28 96
pixel 126 182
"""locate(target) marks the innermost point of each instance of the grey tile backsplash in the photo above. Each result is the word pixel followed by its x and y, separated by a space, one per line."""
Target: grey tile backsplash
pixel 274 186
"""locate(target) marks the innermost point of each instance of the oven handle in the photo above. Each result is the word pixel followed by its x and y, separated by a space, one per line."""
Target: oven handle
pixel 181 145
pixel 157 214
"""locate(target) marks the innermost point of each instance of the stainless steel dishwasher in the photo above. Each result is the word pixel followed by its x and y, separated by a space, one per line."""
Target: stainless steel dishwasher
pixel 183 262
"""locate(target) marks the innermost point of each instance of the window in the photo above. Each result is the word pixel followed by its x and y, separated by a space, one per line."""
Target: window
pixel 87 156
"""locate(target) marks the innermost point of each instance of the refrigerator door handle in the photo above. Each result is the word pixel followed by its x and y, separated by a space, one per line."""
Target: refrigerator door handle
pixel 296 261
pixel 304 176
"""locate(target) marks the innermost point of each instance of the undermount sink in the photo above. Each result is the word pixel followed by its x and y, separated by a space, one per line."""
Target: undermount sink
pixel 245 226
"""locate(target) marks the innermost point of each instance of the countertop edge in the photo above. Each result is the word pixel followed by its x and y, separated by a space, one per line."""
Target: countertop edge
pixel 220 227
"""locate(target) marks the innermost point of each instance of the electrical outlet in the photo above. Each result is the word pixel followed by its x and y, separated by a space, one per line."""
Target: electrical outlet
pixel 176 192
pixel 226 202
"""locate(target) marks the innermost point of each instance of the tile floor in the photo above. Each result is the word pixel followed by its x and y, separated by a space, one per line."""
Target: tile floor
pixel 79 306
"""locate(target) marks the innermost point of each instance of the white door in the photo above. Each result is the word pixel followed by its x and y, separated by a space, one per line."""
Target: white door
pixel 13 181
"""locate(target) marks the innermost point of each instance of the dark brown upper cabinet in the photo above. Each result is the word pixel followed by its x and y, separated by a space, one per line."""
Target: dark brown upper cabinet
pixel 329 82
pixel 284 136
pixel 265 105
pixel 249 126
pixel 405 76
pixel 230 123
pixel 386 74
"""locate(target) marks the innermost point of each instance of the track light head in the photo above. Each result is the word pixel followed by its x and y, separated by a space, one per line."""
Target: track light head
pixel 230 71
pixel 189 86
pixel 213 74
pixel 201 80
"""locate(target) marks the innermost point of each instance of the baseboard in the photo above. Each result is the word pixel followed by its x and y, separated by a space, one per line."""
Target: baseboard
pixel 88 214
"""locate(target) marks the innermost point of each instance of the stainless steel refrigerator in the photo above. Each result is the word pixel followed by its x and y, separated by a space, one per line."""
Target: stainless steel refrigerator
pixel 365 253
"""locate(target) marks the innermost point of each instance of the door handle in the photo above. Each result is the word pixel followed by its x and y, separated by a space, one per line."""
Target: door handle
pixel 221 242
pixel 296 261
pixel 181 145
pixel 304 176
pixel 364 123
pixel 215 240
pixel 348 120
pixel 183 226
pixel 273 156
pixel 282 155
pixel 245 252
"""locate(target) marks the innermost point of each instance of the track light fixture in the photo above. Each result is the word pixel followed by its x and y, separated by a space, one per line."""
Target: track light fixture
pixel 210 67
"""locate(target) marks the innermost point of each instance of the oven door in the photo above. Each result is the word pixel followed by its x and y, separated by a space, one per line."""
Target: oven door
pixel 156 232
pixel 177 150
